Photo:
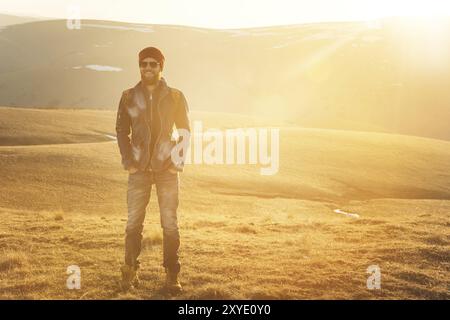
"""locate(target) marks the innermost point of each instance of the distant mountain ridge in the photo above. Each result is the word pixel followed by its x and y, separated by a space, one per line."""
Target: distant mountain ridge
pixel 8 19
pixel 349 75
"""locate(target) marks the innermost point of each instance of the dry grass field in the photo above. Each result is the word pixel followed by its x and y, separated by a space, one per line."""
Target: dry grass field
pixel 244 236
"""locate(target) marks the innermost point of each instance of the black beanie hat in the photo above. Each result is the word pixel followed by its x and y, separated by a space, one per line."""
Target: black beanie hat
pixel 154 53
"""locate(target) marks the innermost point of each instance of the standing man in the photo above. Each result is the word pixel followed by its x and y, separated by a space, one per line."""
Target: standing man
pixel 149 111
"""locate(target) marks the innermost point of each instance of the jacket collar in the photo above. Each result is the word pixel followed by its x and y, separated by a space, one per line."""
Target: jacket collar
pixel 141 95
pixel 162 88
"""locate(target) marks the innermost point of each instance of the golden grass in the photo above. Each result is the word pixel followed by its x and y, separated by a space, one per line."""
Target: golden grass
pixel 243 236
pixel 316 254
pixel 11 259
pixel 59 216
pixel 152 237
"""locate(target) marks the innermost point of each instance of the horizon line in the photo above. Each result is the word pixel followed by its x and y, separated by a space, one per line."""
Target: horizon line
pixel 387 17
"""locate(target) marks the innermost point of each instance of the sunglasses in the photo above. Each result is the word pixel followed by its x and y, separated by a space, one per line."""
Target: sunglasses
pixel 152 64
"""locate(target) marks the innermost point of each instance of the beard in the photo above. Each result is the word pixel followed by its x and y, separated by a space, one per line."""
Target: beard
pixel 150 80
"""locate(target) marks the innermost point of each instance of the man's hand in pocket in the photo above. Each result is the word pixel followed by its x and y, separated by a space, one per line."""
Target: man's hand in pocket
pixel 172 170
pixel 132 170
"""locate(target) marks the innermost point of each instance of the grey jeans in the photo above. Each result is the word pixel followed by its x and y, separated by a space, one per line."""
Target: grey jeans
pixel 138 197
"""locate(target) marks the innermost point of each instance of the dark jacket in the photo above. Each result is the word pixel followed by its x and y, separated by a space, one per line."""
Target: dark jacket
pixel 132 117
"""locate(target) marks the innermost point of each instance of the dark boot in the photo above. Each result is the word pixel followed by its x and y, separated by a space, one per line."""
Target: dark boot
pixel 172 283
pixel 130 277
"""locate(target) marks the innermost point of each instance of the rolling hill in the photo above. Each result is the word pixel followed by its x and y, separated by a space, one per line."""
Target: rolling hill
pixel 8 19
pixel 244 236
pixel 386 76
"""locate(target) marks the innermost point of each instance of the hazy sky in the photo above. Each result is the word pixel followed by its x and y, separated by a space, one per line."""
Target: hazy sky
pixel 227 13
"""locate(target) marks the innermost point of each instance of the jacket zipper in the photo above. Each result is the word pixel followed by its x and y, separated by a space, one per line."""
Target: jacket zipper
pixel 148 126
pixel 149 129
pixel 160 128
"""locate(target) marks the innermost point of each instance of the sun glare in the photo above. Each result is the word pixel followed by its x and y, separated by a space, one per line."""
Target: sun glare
pixel 425 42
pixel 408 8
